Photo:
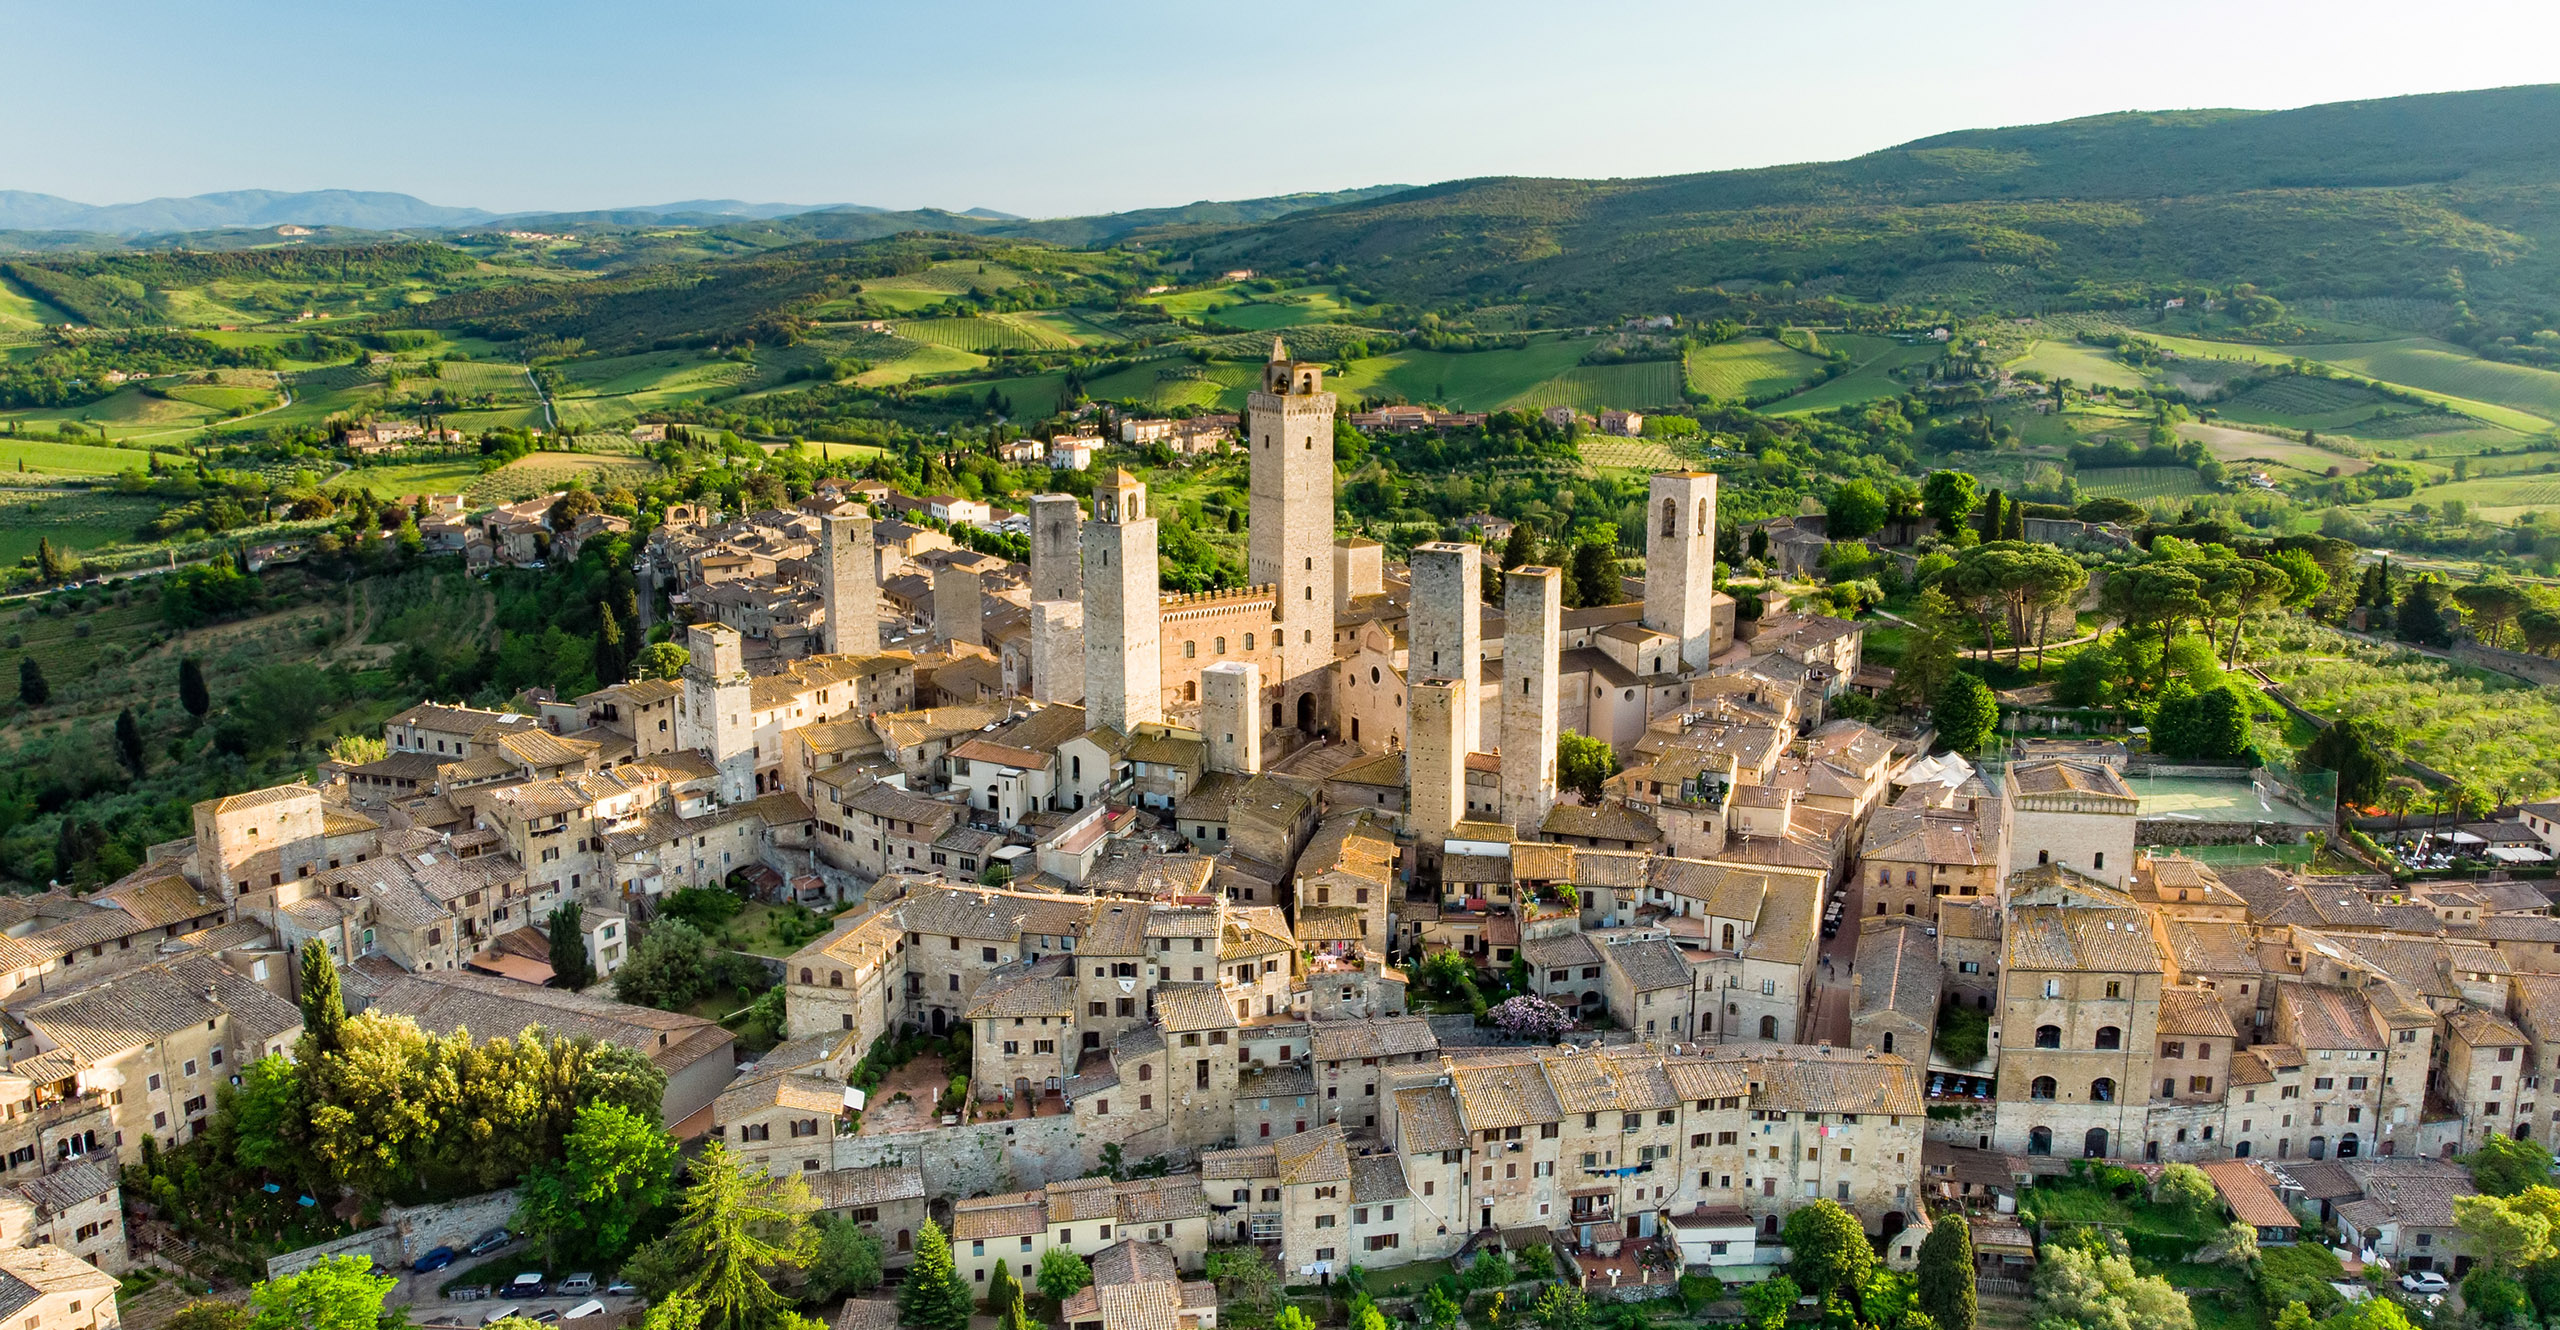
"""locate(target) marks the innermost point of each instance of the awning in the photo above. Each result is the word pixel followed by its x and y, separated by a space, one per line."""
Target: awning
pixel 2518 854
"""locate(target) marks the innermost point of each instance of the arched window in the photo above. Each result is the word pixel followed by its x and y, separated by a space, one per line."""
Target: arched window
pixel 2110 1037
pixel 1191 691
pixel 1248 641
pixel 1220 646
pixel 1884 877
pixel 1888 1038
pixel 1190 649
pixel 805 976
pixel 2094 1145
pixel 1728 937
pixel 835 978
pixel 2349 1147
pixel 1768 1027
pixel 2048 1036
pixel 2039 1140
pixel 2102 1091
pixel 1670 517
pixel 1146 1071
pixel 1706 518
pixel 2040 1088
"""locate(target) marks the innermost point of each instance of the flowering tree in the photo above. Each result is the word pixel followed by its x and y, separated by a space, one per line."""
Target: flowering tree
pixel 1530 1017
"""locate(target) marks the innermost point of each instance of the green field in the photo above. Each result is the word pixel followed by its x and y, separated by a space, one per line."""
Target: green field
pixel 907 360
pixel 2141 482
pixel 72 519
pixel 1871 375
pixel 1642 385
pixel 602 392
pixel 42 458
pixel 1645 455
pixel 2085 366
pixel 992 332
pixel 1750 369
pixel 418 478
pixel 541 473
pixel 941 282
pixel 2513 396
pixel 2238 446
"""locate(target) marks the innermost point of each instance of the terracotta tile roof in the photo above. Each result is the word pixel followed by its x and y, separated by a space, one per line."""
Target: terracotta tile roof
pixel 1012 1215
pixel 1494 1095
pixel 842 1188
pixel 1377 1178
pixel 1182 1008
pixel 1649 965
pixel 1427 1120
pixel 2192 1011
pixel 1081 1199
pixel 1340 1041
pixel 1161 1200
pixel 1898 972
pixel 1312 1156
pixel 1253 1161
pixel 1043 987
pixel 2327 1018
pixel 1131 1262
pixel 2048 937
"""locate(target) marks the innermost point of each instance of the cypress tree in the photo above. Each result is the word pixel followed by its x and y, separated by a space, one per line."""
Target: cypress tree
pixel 1946 1273
pixel 1003 1290
pixel 933 1298
pixel 129 742
pixel 32 688
pixel 324 1008
pixel 191 689
pixel 569 968
pixel 610 662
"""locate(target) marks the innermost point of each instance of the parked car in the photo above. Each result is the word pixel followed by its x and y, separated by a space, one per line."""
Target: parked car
pixel 490 1241
pixel 498 1313
pixel 527 1285
pixel 546 1316
pixel 621 1288
pixel 578 1285
pixel 434 1260
pixel 589 1307
pixel 2424 1281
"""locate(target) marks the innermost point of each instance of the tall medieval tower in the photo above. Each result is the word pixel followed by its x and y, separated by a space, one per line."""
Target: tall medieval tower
pixel 715 715
pixel 1289 428
pixel 1123 664
pixel 848 584
pixel 1057 599
pixel 1680 562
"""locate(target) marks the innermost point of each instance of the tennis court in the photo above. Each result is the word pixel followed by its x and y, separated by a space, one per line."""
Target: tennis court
pixel 2208 799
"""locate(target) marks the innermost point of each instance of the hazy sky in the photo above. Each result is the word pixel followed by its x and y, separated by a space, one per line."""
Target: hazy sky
pixel 1065 108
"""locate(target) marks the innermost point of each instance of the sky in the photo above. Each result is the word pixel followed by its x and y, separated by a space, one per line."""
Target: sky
pixel 1068 108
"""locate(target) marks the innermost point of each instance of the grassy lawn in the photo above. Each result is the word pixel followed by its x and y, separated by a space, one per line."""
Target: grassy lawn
pixel 1406 1280
pixel 757 928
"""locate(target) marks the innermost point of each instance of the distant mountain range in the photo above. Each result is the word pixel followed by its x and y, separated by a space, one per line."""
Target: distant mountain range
pixel 366 210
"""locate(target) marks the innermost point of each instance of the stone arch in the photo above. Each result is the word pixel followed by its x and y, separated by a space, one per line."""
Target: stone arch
pixel 2094 1145
pixel 2039 1140
pixel 1671 517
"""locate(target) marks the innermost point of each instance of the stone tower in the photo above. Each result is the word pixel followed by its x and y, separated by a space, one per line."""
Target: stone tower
pixel 1435 761
pixel 957 606
pixel 1231 716
pixel 1680 561
pixel 1057 651
pixel 1123 670
pixel 1532 641
pixel 716 715
pixel 1289 427
pixel 1445 628
pixel 1055 574
pixel 848 584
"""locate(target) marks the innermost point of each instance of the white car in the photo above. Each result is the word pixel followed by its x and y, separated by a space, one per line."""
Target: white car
pixel 2424 1281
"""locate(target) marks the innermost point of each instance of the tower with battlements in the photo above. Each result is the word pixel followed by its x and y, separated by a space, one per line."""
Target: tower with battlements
pixel 1680 561
pixel 1289 430
pixel 1123 671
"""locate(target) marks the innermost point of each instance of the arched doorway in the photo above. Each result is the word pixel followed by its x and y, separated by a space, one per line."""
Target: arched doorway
pixel 2094 1145
pixel 2349 1146
pixel 1888 1041
pixel 2318 1148
pixel 1768 1027
pixel 1768 1226
pixel 940 1020
pixel 2040 1140
pixel 1277 716
pixel 1893 1223
pixel 1306 713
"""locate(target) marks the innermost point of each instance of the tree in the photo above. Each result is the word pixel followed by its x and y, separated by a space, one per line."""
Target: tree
pixel 847 1260
pixel 2493 1297
pixel 1537 1263
pixel 2356 750
pixel 661 660
pixel 2493 604
pixel 357 749
pixel 2185 1189
pixel 2421 618
pixel 666 970
pixel 2506 1166
pixel 1929 656
pixel 32 689
pixel 1830 1249
pixel 1492 1269
pixel 208 1314
pixel 2500 1234
pixel 129 743
pixel 1584 764
pixel 568 930
pixel 1246 1279
pixel 1855 512
pixel 339 1293
pixel 1965 713
pixel 324 1008
pixel 1519 549
pixel 2305 580
pixel 741 1229
pixel 1562 1307
pixel 611 665
pixel 1945 1274
pixel 265 1116
pixel 1291 1318
pixel 1765 1305
pixel 1003 1290
pixel 1530 1017
pixel 1439 1311
pixel 1950 497
pixel 191 690
pixel 569 507
pixel 2399 795
pixel 933 1298
pixel 1592 578
pixel 1062 1272
pixel 617 1167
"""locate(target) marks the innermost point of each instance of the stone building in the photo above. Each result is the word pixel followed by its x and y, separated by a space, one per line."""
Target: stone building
pixel 1288 428
pixel 2078 1019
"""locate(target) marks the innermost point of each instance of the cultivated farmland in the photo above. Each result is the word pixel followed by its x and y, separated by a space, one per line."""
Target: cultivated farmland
pixel 1750 369
pixel 2138 483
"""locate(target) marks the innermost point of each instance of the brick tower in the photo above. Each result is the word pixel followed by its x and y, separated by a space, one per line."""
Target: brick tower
pixel 1123 667
pixel 848 584
pixel 1289 428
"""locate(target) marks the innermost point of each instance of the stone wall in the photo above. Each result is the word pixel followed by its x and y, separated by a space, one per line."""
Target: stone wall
pixel 2174 831
pixel 408 1232
pixel 980 1159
